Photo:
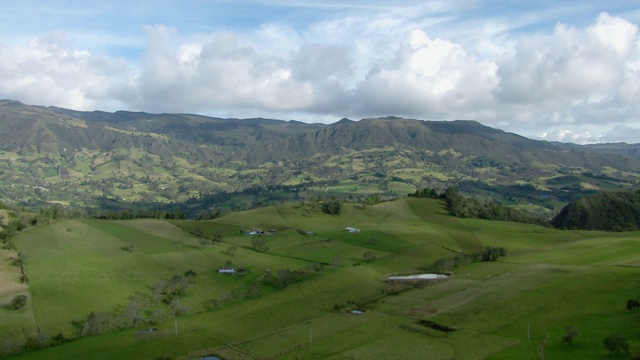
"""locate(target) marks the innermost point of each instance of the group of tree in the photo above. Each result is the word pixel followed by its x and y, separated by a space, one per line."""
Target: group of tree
pixel 461 259
pixel 285 277
pixel 168 290
pixel 607 211
pixel 140 310
pixel 468 207
pixel 429 193
pixel 463 206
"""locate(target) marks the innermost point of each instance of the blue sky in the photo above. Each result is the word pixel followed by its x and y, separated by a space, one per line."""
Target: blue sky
pixel 567 71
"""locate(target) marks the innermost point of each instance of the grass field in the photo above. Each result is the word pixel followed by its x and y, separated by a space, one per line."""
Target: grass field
pixel 551 279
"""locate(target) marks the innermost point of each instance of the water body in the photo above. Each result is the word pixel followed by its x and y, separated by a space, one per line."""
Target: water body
pixel 419 277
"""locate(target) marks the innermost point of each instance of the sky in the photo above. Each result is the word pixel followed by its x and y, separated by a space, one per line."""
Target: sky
pixel 553 70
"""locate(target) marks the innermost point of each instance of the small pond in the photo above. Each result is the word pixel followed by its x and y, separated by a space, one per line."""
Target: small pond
pixel 419 277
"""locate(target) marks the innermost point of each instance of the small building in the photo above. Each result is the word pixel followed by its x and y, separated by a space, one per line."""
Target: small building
pixel 351 229
pixel 253 232
pixel 226 270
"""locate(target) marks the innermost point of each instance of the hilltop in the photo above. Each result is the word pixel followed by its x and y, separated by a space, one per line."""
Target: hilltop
pixel 607 211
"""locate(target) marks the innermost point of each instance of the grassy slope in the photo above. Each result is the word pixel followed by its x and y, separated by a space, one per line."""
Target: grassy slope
pixel 10 286
pixel 551 279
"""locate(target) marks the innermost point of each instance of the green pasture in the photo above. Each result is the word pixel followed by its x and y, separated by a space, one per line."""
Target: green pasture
pixel 10 287
pixel 551 279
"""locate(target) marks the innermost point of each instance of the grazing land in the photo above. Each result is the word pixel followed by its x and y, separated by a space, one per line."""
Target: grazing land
pixel 301 279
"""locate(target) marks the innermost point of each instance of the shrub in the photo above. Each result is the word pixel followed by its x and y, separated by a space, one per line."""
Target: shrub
pixel 18 302
pixel 615 343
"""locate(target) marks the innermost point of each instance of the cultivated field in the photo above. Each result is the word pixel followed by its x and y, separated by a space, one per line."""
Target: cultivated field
pixel 496 310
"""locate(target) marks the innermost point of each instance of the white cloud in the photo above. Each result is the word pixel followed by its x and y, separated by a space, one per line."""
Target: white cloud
pixel 428 78
pixel 564 135
pixel 51 71
pixel 219 73
pixel 623 133
pixel 583 75
pixel 422 60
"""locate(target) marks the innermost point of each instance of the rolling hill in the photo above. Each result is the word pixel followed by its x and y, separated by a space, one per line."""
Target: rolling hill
pixel 606 211
pixel 99 289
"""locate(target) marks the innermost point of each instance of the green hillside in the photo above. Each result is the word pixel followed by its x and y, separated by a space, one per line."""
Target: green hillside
pixel 302 278
pixel 202 165
pixel 607 211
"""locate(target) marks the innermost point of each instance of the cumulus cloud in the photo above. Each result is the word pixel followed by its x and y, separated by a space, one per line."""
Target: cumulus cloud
pixel 428 78
pixel 573 76
pixel 223 73
pixel 564 135
pixel 50 71
pixel 381 60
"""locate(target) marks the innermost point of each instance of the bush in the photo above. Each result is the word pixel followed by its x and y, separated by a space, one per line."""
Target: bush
pixel 570 335
pixel 616 343
pixel 18 302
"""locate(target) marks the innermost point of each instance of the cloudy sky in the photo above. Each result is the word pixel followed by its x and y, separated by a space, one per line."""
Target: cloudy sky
pixel 555 70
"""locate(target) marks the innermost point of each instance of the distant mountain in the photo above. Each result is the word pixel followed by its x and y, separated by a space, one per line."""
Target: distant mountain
pixel 630 150
pixel 75 157
pixel 608 211
pixel 260 140
pixel 469 138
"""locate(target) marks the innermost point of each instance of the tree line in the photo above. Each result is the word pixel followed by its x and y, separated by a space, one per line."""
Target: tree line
pixel 470 207
pixel 461 259
pixel 140 310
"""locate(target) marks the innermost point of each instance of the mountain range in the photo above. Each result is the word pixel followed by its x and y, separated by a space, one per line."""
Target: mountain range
pixel 50 154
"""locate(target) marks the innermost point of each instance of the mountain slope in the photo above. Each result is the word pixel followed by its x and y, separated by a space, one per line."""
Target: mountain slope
pixel 80 156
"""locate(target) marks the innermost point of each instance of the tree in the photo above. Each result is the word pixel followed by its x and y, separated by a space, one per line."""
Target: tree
pixel 9 347
pixel 178 309
pixel 570 335
pixel 615 343
pixel 18 302
pixel 373 199
pixel 37 342
pixel 331 207
pixel 425 193
pixel 231 251
pixel 632 304
pixel 218 236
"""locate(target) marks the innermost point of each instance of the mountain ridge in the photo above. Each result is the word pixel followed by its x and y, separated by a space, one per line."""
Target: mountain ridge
pixel 172 157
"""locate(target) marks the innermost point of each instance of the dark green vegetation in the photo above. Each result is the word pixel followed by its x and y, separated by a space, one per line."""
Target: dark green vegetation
pixel 608 211
pixel 206 166
pixel 105 289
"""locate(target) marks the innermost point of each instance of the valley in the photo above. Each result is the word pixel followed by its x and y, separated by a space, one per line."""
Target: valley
pixel 202 165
